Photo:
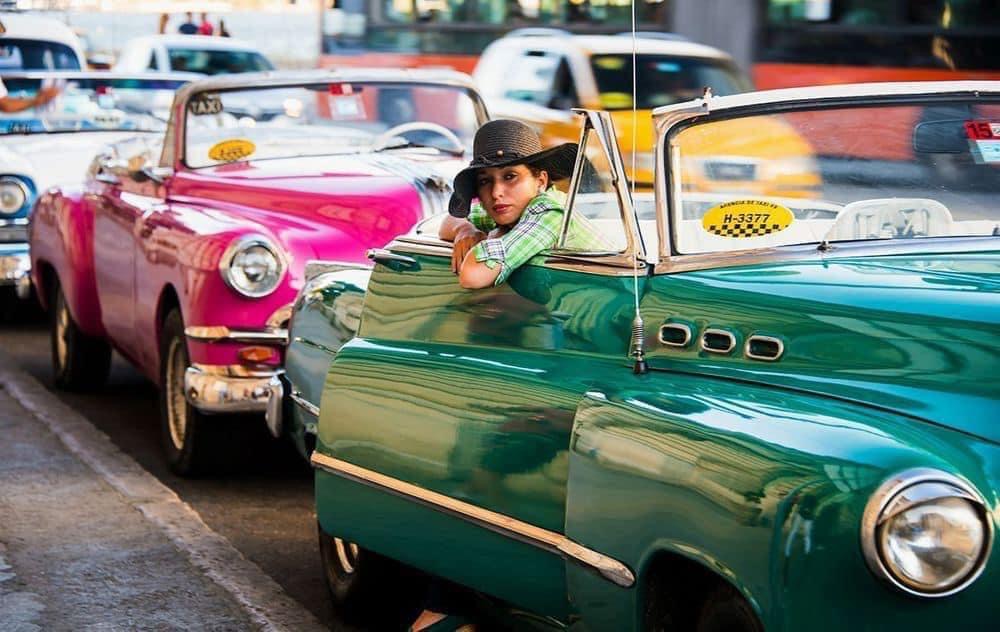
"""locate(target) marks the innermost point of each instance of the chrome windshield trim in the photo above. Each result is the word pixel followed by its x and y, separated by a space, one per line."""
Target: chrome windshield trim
pixel 221 333
pixel 837 250
pixel 609 568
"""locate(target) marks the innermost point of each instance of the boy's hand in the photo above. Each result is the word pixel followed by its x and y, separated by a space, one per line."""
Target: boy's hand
pixel 465 239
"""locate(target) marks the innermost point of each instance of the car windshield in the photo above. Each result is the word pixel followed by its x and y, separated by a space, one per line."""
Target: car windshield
pixel 217 62
pixel 661 79
pixel 27 54
pixel 328 118
pixel 869 172
pixel 90 102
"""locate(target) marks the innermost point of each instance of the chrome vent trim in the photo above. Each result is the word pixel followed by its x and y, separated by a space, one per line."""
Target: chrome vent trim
pixel 717 332
pixel 764 357
pixel 681 327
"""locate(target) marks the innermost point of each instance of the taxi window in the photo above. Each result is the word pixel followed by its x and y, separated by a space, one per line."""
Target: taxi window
pixel 595 223
pixel 535 78
pixel 662 79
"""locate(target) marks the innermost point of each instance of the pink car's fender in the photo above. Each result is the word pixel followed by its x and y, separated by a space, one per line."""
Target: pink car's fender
pixel 62 251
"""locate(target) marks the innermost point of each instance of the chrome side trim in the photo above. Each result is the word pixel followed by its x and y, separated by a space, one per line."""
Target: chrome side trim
pixel 753 356
pixel 890 491
pixel 609 568
pixel 304 404
pixel 718 332
pixel 222 333
pixel 679 326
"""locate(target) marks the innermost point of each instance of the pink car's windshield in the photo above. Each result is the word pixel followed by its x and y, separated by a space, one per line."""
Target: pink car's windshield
pixel 325 119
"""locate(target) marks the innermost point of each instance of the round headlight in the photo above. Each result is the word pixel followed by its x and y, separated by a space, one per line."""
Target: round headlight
pixel 927 533
pixel 252 266
pixel 13 195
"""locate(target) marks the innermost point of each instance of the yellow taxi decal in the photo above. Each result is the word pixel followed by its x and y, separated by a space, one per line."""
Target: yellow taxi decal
pixel 741 219
pixel 232 149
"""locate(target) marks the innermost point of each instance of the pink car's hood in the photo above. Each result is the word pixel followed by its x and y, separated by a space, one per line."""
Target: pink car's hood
pixel 337 207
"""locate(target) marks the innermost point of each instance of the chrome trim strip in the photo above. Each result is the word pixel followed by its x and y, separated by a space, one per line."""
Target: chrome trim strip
pixel 236 370
pixel 17 221
pixel 778 341
pixel 219 333
pixel 610 568
pixel 718 332
pixel 681 326
pixel 889 490
pixel 304 404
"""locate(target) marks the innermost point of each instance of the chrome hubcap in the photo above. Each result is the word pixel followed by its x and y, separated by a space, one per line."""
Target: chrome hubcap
pixel 62 327
pixel 347 553
pixel 176 404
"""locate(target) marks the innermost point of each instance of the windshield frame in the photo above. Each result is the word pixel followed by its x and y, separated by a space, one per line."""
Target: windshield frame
pixel 174 146
pixel 671 120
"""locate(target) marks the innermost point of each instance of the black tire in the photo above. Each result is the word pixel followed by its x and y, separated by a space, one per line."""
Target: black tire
pixel 79 362
pixel 367 588
pixel 726 610
pixel 188 437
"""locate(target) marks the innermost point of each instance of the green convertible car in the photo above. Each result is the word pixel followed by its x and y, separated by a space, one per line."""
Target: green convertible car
pixel 754 412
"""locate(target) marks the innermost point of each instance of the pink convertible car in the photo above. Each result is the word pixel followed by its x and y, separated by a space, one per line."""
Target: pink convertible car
pixel 183 251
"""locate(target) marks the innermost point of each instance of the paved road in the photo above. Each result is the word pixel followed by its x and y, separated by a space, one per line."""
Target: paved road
pixel 266 512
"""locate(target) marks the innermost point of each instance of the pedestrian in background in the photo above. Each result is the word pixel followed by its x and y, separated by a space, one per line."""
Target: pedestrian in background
pixel 205 28
pixel 164 18
pixel 189 27
pixel 223 32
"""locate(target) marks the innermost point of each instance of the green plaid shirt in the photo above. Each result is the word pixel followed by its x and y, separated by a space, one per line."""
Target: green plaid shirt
pixel 535 232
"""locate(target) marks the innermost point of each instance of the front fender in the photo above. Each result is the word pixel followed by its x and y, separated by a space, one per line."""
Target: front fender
pixel 325 315
pixel 763 487
pixel 61 239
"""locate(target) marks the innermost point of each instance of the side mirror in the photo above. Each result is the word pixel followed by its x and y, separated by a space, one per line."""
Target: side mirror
pixel 159 175
pixel 941 137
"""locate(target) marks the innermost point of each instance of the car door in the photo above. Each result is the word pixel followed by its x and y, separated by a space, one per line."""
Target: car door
pixel 118 214
pixel 461 403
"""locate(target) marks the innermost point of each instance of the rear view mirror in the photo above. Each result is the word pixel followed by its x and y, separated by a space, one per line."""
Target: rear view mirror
pixel 941 137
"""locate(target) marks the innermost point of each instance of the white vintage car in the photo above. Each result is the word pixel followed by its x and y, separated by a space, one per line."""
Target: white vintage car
pixel 54 144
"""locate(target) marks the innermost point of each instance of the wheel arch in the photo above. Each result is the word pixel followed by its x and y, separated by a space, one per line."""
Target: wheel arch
pixel 689 578
pixel 168 301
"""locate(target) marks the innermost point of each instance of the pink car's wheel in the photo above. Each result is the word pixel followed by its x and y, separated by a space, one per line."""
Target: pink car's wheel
pixel 79 362
pixel 187 438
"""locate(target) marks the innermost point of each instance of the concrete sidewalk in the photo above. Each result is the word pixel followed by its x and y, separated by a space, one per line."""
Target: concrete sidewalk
pixel 91 541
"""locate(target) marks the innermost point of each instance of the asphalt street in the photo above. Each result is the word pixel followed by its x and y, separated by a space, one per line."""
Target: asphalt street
pixel 265 509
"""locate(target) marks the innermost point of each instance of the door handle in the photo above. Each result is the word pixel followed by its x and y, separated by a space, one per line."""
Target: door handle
pixel 392 261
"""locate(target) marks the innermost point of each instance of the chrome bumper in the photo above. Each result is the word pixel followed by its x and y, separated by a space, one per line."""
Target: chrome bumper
pixel 236 389
pixel 15 269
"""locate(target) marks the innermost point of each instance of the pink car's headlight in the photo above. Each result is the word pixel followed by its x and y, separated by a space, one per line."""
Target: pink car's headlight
pixel 252 265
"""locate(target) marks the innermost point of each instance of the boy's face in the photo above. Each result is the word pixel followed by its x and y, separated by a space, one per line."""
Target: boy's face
pixel 505 191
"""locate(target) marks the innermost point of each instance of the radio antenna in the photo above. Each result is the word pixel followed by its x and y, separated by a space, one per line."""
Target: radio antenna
pixel 638 341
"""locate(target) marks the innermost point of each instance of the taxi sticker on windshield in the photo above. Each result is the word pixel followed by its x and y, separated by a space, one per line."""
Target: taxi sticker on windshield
pixel 741 219
pixel 984 137
pixel 232 149
pixel 205 103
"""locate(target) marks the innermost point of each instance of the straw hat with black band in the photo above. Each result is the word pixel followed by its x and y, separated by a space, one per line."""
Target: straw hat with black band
pixel 506 142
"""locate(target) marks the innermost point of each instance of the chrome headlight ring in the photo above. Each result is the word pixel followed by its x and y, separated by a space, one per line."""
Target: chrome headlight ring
pixel 253 265
pixel 15 194
pixel 899 524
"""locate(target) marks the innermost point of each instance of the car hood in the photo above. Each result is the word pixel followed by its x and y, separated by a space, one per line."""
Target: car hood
pixel 337 207
pixel 63 158
pixel 914 334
